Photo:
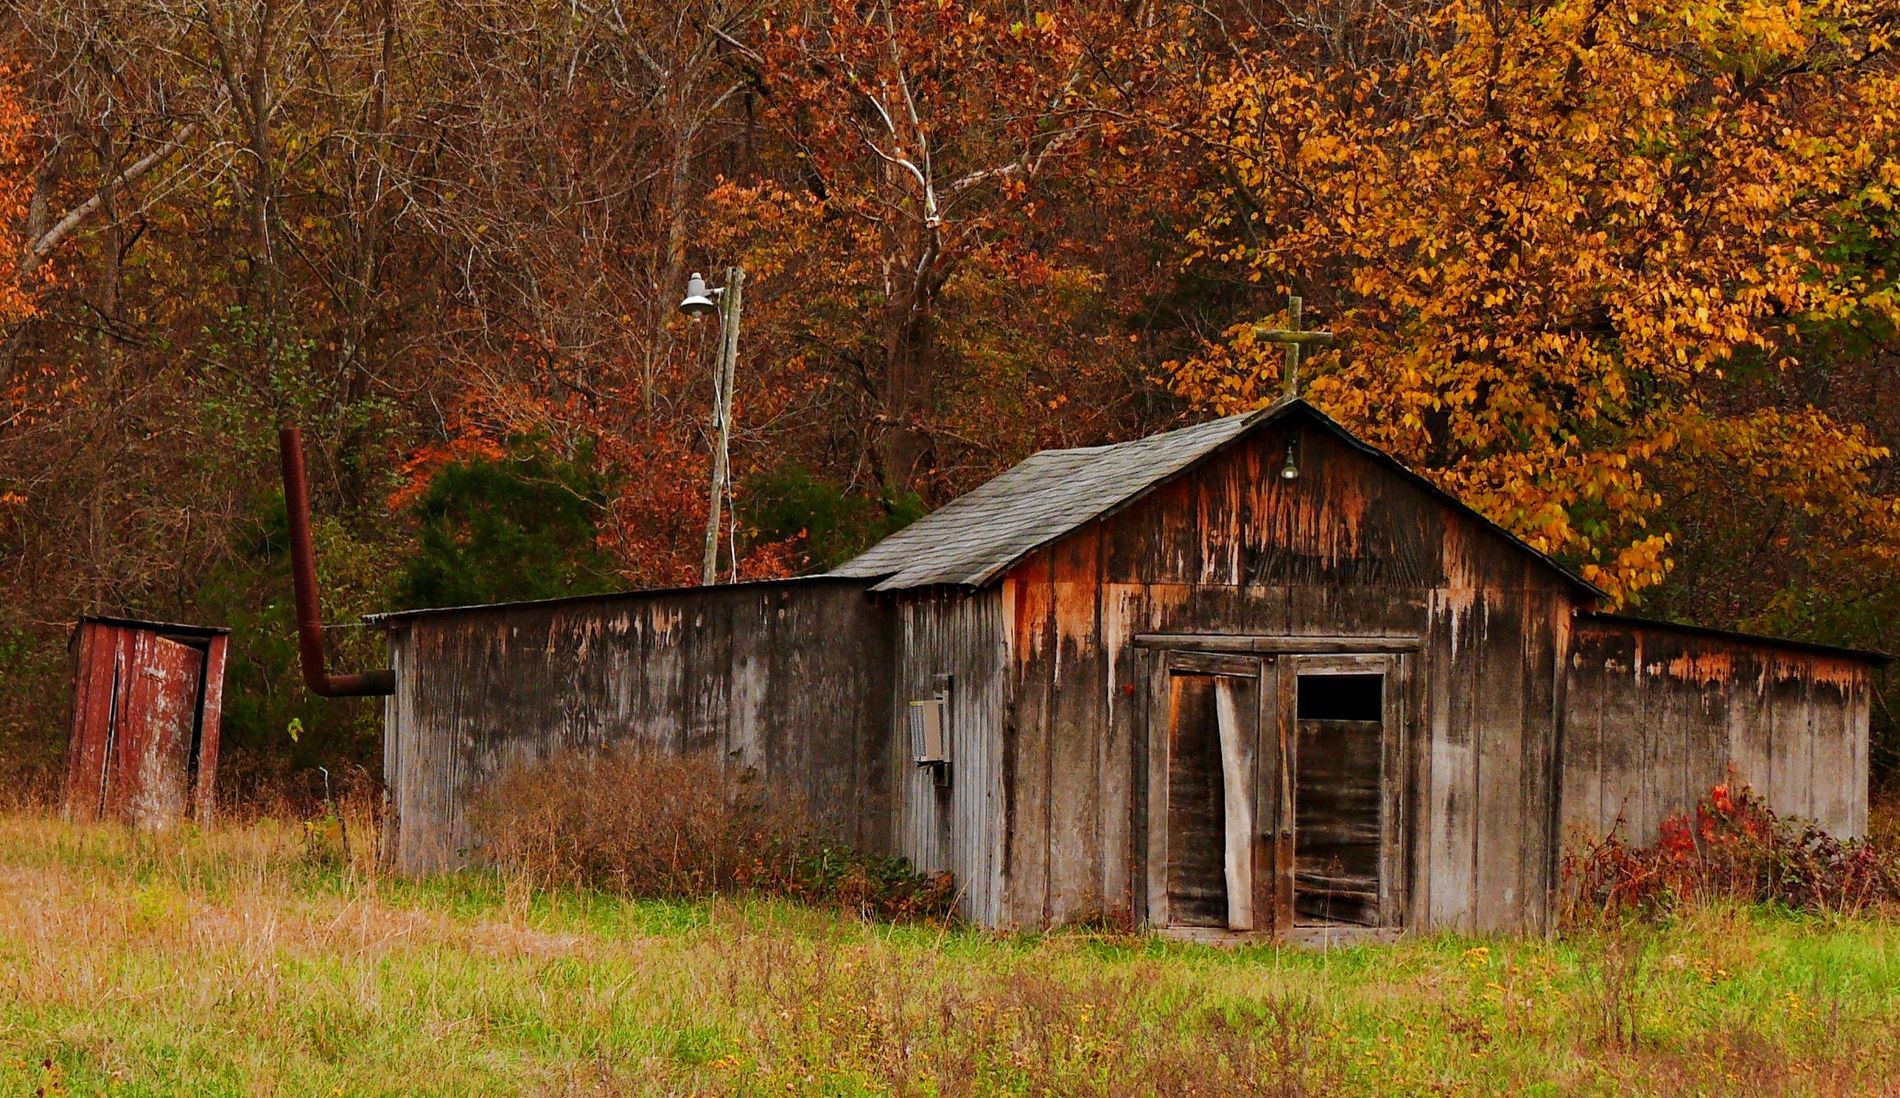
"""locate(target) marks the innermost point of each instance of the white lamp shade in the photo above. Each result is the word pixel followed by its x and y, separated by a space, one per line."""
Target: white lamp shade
pixel 698 302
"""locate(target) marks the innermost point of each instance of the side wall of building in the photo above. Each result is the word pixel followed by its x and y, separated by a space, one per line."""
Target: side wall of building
pixel 1654 717
pixel 954 820
pixel 791 681
pixel 1349 548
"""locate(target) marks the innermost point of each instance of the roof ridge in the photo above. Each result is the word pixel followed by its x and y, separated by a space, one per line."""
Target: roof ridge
pixel 1139 440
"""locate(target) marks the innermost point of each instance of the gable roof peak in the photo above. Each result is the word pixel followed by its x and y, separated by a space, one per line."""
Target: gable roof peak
pixel 978 536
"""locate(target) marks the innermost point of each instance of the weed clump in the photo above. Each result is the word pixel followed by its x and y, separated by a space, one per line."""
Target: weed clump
pixel 648 825
pixel 1731 848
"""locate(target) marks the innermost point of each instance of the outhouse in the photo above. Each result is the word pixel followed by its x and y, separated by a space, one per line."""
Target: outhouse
pixel 146 702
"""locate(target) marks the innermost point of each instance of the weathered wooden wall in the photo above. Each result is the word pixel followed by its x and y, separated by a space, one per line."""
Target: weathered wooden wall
pixel 1044 816
pixel 1349 548
pixel 791 680
pixel 960 826
pixel 1655 716
pixel 146 719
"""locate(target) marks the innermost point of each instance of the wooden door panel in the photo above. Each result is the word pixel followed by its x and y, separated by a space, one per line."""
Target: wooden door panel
pixel 1210 825
pixel 1234 716
pixel 1256 818
pixel 1343 714
pixel 1338 819
pixel 152 768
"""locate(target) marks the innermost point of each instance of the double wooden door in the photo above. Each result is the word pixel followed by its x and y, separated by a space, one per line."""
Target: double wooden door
pixel 1272 791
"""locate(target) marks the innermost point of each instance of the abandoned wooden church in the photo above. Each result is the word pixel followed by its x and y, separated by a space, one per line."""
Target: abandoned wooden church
pixel 1248 676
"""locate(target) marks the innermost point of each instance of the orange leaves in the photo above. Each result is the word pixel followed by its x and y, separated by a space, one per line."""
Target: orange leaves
pixel 1549 241
pixel 16 155
pixel 477 427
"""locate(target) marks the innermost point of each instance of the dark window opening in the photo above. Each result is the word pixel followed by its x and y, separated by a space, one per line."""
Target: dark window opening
pixel 1342 697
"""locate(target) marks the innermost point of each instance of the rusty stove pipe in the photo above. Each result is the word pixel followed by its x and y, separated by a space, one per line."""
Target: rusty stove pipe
pixel 303 571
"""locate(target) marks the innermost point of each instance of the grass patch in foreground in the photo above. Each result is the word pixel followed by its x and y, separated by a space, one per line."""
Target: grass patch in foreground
pixel 224 963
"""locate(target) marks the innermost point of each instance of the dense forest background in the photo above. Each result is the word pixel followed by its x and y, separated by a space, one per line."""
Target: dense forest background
pixel 1621 272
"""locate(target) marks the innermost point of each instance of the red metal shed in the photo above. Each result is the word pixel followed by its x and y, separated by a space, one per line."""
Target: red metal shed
pixel 146 702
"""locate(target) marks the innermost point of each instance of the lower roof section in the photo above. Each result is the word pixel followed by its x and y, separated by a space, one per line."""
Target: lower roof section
pixel 1864 655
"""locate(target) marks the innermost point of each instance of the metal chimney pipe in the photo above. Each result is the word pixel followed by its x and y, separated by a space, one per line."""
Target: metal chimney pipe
pixel 303 572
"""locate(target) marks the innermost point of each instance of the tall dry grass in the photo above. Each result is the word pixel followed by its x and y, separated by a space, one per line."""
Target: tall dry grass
pixel 651 825
pixel 635 824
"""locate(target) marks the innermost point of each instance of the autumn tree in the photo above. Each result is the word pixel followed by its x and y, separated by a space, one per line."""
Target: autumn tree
pixel 1565 242
pixel 16 135
pixel 936 141
pixel 16 289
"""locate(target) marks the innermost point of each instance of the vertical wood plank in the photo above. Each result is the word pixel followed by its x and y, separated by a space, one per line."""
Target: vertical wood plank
pixel 204 793
pixel 1858 730
pixel 1124 609
pixel 1788 746
pixel 1077 717
pixel 92 701
pixel 1538 785
pixel 1286 718
pixel 1237 797
pixel 1498 849
pixel 1156 744
pixel 1265 782
pixel 1452 829
pixel 1030 589
pixel 1748 721
pixel 1834 777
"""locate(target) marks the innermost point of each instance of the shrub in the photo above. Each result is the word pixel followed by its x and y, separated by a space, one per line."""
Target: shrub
pixel 1731 847
pixel 521 525
pixel 684 826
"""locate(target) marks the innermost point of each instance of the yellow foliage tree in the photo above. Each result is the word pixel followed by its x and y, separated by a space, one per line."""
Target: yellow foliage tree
pixel 1557 238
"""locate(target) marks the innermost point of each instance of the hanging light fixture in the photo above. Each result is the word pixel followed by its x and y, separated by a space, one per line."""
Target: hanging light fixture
pixel 1290 469
pixel 698 301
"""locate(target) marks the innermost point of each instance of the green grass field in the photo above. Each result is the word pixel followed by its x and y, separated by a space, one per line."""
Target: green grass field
pixel 229 963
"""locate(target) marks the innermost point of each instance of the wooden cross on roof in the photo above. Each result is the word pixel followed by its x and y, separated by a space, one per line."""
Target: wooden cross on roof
pixel 1294 338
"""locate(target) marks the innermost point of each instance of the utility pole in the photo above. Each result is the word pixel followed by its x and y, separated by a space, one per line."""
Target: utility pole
pixel 724 369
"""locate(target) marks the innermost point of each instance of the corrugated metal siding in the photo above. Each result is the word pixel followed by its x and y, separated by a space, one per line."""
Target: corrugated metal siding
pixel 1654 717
pixel 958 828
pixel 792 681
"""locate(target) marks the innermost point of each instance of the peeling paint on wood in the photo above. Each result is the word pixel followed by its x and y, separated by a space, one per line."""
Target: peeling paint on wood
pixel 147 706
pixel 1656 716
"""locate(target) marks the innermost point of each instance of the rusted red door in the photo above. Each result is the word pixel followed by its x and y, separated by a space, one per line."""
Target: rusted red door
pixel 147 701
pixel 151 765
